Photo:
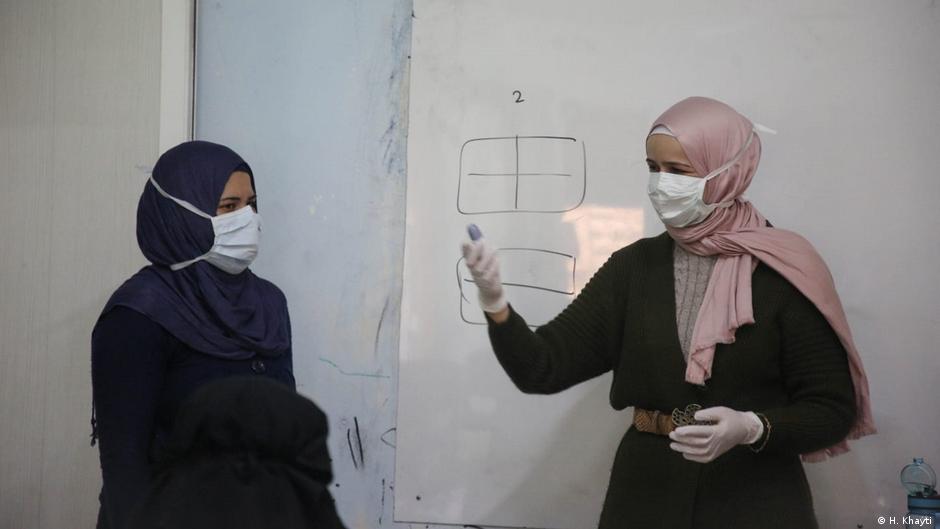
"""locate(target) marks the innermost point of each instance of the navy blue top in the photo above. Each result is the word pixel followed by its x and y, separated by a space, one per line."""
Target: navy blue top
pixel 140 376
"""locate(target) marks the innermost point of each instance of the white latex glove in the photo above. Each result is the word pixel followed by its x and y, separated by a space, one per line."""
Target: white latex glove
pixel 704 443
pixel 484 267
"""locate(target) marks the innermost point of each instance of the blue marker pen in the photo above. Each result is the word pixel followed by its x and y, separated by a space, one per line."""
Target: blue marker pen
pixel 474 232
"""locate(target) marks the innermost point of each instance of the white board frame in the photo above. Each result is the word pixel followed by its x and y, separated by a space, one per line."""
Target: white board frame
pixel 177 67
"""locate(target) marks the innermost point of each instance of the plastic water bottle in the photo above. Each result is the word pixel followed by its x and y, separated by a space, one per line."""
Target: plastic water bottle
pixel 923 503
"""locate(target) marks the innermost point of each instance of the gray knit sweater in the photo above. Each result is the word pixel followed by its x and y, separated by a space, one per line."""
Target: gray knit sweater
pixel 692 273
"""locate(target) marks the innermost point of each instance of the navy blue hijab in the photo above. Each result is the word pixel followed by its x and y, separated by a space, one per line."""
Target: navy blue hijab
pixel 214 312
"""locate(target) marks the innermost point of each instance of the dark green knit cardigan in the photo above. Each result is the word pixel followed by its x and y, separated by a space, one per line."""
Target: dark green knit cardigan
pixel 789 365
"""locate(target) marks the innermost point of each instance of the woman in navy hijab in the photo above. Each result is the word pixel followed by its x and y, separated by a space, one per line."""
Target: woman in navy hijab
pixel 195 314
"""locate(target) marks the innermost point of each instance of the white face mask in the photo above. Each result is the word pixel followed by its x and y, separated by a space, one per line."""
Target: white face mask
pixel 237 236
pixel 680 199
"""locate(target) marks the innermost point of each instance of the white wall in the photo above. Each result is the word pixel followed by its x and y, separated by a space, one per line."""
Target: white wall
pixel 79 123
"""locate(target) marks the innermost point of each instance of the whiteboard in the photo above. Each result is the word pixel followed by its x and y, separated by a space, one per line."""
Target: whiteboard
pixel 291 86
pixel 528 118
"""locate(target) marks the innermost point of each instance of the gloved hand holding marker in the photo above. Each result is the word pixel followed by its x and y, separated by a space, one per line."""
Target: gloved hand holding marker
pixel 484 268
pixel 474 231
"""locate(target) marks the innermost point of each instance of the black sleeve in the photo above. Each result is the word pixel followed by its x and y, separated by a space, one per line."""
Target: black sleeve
pixel 815 368
pixel 128 363
pixel 579 344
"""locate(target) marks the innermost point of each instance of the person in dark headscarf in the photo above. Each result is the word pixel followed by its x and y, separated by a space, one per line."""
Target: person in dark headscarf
pixel 195 314
pixel 244 453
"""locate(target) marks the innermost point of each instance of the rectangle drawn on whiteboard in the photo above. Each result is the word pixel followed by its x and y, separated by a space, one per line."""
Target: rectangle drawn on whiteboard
pixel 521 174
pixel 539 283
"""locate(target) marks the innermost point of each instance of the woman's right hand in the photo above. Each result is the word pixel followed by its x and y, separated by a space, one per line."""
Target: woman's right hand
pixel 484 268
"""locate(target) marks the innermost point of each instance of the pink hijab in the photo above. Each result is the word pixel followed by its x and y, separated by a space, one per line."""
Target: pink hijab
pixel 712 133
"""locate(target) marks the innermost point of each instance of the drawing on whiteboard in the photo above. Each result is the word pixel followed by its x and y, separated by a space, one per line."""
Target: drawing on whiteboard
pixel 385 433
pixel 521 174
pixel 539 282
pixel 329 362
pixel 352 453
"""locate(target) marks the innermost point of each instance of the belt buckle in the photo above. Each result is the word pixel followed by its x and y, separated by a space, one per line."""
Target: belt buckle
pixel 687 416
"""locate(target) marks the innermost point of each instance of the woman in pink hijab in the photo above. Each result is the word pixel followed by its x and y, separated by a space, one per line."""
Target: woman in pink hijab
pixel 724 333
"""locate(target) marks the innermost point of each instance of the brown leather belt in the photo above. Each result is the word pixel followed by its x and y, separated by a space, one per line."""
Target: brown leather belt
pixel 661 423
